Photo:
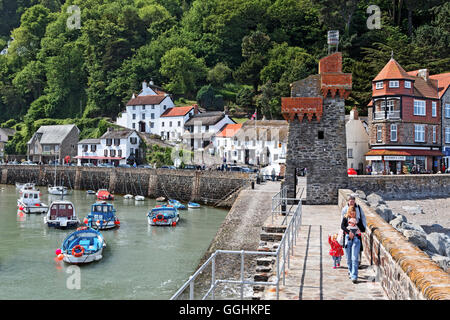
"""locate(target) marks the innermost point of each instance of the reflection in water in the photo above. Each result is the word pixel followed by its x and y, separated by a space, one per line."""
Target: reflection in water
pixel 30 268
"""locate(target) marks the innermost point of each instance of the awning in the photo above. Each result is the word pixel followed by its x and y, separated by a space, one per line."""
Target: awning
pixel 98 158
pixel 403 152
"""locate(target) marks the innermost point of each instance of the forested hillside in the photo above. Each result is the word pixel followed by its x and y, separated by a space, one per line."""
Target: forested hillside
pixel 242 54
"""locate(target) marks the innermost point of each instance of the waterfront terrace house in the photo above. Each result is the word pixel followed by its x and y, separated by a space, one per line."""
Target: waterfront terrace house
pixel 254 142
pixel 404 121
pixel 116 146
pixel 443 80
pixel 54 142
pixel 201 127
pixel 357 136
pixel 143 111
pixel 5 135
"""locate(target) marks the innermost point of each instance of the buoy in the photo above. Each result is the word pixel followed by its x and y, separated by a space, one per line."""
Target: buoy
pixel 58 252
pixel 174 223
pixel 20 208
pixel 98 221
pixel 154 219
pixel 60 256
pixel 85 220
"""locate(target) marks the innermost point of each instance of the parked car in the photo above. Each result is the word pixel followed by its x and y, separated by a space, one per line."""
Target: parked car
pixel 88 164
pixel 124 166
pixel 169 167
pixel 29 163
pixel 190 167
pixel 145 166
pixel 105 165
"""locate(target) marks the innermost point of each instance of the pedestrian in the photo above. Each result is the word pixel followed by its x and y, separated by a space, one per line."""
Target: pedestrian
pixel 336 251
pixel 352 244
pixel 273 174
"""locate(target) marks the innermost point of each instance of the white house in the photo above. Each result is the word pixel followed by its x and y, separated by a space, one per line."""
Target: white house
pixel 144 110
pixel 357 134
pixel 172 121
pixel 201 127
pixel 114 147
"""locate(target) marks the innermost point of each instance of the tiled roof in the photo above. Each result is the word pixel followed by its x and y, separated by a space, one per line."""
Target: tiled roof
pixel 205 118
pixel 229 130
pixel 392 70
pixel 148 99
pixel 177 111
pixel 443 82
pixel 117 134
pixel 89 141
pixel 54 134
pixel 424 88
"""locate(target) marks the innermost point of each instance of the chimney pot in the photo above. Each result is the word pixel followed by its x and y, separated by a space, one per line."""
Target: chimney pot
pixel 423 73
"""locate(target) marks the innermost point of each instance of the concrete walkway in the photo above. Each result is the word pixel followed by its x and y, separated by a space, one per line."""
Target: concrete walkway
pixel 311 275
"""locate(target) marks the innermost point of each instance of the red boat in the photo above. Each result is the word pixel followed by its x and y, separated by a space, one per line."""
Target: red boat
pixel 103 194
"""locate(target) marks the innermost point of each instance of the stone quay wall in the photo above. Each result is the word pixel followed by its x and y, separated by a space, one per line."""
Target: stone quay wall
pixel 405 271
pixel 209 187
pixel 409 186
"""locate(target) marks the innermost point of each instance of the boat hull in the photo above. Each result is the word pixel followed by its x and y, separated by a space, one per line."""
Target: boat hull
pixel 61 224
pixel 105 226
pixel 169 222
pixel 32 209
pixel 85 258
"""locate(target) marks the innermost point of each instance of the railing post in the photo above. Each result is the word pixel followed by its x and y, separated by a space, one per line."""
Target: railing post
pixel 242 274
pixel 213 276
pixel 191 288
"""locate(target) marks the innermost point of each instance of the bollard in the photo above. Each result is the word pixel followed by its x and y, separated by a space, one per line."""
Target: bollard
pixel 253 184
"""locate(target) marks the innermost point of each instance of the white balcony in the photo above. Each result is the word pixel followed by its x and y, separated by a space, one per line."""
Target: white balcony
pixel 390 115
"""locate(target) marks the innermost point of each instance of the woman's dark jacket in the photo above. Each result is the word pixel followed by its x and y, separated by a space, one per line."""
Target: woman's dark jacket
pixel 344 226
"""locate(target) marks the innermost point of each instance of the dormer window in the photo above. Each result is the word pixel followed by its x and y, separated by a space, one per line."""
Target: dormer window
pixel 408 84
pixel 393 84
pixel 379 85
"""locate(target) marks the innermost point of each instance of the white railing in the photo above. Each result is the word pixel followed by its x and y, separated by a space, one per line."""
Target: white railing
pixel 282 256
pixel 390 115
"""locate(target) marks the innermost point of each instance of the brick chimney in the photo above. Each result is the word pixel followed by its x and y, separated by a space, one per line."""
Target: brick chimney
pixel 354 114
pixel 424 74
pixel 196 109
pixel 144 85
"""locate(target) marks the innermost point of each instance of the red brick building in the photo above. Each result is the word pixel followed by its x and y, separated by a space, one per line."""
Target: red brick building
pixel 404 121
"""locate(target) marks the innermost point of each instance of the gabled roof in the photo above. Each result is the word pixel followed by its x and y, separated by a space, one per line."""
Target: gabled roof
pixel 148 99
pixel 177 111
pixel 392 70
pixel 443 82
pixel 229 130
pixel 206 118
pixel 117 133
pixel 53 134
pixel 89 141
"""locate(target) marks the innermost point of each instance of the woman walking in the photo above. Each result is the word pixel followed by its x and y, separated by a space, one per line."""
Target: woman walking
pixel 352 241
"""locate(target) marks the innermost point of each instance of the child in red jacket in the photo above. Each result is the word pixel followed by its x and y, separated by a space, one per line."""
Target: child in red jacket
pixel 336 250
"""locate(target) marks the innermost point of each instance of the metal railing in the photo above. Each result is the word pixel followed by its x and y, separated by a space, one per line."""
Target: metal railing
pixel 282 257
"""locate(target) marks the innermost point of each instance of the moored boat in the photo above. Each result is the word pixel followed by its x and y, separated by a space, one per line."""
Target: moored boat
pixel 128 196
pixel 61 214
pixel 90 192
pixel 30 202
pixel 161 199
pixel 28 185
pixel 82 246
pixel 193 205
pixel 166 215
pixel 139 198
pixel 102 216
pixel 58 190
pixel 177 204
pixel 103 194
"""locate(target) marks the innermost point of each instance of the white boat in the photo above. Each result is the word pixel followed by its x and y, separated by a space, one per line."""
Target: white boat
pixel 83 246
pixel 128 196
pixel 193 205
pixel 139 198
pixel 61 214
pixel 27 186
pixel 30 202
pixel 57 190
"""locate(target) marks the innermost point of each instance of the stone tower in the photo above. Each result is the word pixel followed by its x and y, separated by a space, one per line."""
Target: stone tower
pixel 316 115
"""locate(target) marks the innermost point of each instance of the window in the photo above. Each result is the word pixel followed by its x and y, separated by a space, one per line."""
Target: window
pixel 116 142
pixel 112 153
pixel 105 152
pixel 152 125
pixel 152 116
pixel 153 107
pixel 379 132
pixel 419 133
pixel 56 148
pixel 349 153
pixel 133 125
pixel 133 140
pixel 447 134
pixel 434 134
pixel 170 123
pixel 108 142
pixel 179 123
pixel 119 153
pixel 393 84
pixel 134 116
pixel 419 107
pixel 162 124
pixel 434 109
pixel 46 148
pixel 143 116
pixel 393 132
pixel 134 108
pixel 408 84
pixel 85 147
pixel 93 147
pixel 379 85
pixel 447 110
pixel 143 107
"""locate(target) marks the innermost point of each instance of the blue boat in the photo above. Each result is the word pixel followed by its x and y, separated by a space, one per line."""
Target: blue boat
pixel 102 216
pixel 177 204
pixel 166 215
pixel 193 205
pixel 83 246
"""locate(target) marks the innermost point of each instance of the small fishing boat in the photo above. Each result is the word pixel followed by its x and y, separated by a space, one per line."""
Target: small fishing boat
pixel 165 215
pixel 90 192
pixel 139 198
pixel 193 205
pixel 102 216
pixel 103 194
pixel 161 199
pixel 27 186
pixel 61 214
pixel 177 204
pixel 30 202
pixel 128 196
pixel 82 246
pixel 58 190
pixel 22 185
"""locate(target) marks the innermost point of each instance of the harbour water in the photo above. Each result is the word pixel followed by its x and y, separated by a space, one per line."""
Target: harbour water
pixel 139 261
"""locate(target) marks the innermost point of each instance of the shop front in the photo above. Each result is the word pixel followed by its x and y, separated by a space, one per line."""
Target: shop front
pixel 385 161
